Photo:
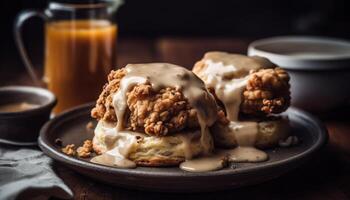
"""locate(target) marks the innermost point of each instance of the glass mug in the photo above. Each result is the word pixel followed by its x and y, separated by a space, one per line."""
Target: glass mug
pixel 80 45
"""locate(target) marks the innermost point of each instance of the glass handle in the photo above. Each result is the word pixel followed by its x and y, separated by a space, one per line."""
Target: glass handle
pixel 21 18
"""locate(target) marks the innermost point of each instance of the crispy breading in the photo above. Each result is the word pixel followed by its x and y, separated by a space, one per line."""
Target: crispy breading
pixel 104 108
pixel 159 113
pixel 69 150
pixel 153 112
pixel 85 150
pixel 267 91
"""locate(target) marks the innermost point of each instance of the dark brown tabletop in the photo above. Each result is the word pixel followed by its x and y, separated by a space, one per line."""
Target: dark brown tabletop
pixel 326 176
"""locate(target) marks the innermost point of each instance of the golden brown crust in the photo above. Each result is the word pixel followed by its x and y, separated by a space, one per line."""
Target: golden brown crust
pixel 69 150
pixel 155 113
pixel 267 91
pixel 85 150
pixel 104 109
pixel 159 113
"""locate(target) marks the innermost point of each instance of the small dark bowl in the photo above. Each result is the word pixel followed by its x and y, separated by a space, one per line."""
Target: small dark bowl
pixel 22 128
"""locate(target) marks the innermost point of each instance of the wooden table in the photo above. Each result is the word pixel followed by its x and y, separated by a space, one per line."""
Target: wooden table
pixel 327 176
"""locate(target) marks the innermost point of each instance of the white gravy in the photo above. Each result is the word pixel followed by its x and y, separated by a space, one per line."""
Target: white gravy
pixel 118 145
pixel 186 143
pixel 219 70
pixel 113 160
pixel 159 75
pixel 246 134
pixel 247 154
pixel 227 74
pixel 204 164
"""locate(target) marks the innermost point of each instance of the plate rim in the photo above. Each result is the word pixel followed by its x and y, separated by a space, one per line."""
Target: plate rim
pixel 50 150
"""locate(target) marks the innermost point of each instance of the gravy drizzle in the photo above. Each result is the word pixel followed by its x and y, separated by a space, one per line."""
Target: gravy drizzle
pixel 161 75
pixel 228 74
pixel 118 143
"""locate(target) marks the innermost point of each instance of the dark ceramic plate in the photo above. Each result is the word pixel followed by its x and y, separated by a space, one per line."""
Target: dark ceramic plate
pixel 70 127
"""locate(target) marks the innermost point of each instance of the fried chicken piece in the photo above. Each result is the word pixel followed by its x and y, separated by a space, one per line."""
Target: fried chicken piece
pixel 159 113
pixel 155 113
pixel 267 92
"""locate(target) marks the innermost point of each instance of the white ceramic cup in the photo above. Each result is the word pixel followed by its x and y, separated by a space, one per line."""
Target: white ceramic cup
pixel 319 68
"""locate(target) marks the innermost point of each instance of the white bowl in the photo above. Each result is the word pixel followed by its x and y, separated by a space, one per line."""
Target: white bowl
pixel 319 68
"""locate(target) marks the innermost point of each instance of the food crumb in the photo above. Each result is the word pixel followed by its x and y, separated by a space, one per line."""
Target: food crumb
pixel 85 150
pixel 69 150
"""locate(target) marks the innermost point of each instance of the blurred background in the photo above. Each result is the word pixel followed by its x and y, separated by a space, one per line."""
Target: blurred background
pixel 158 24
